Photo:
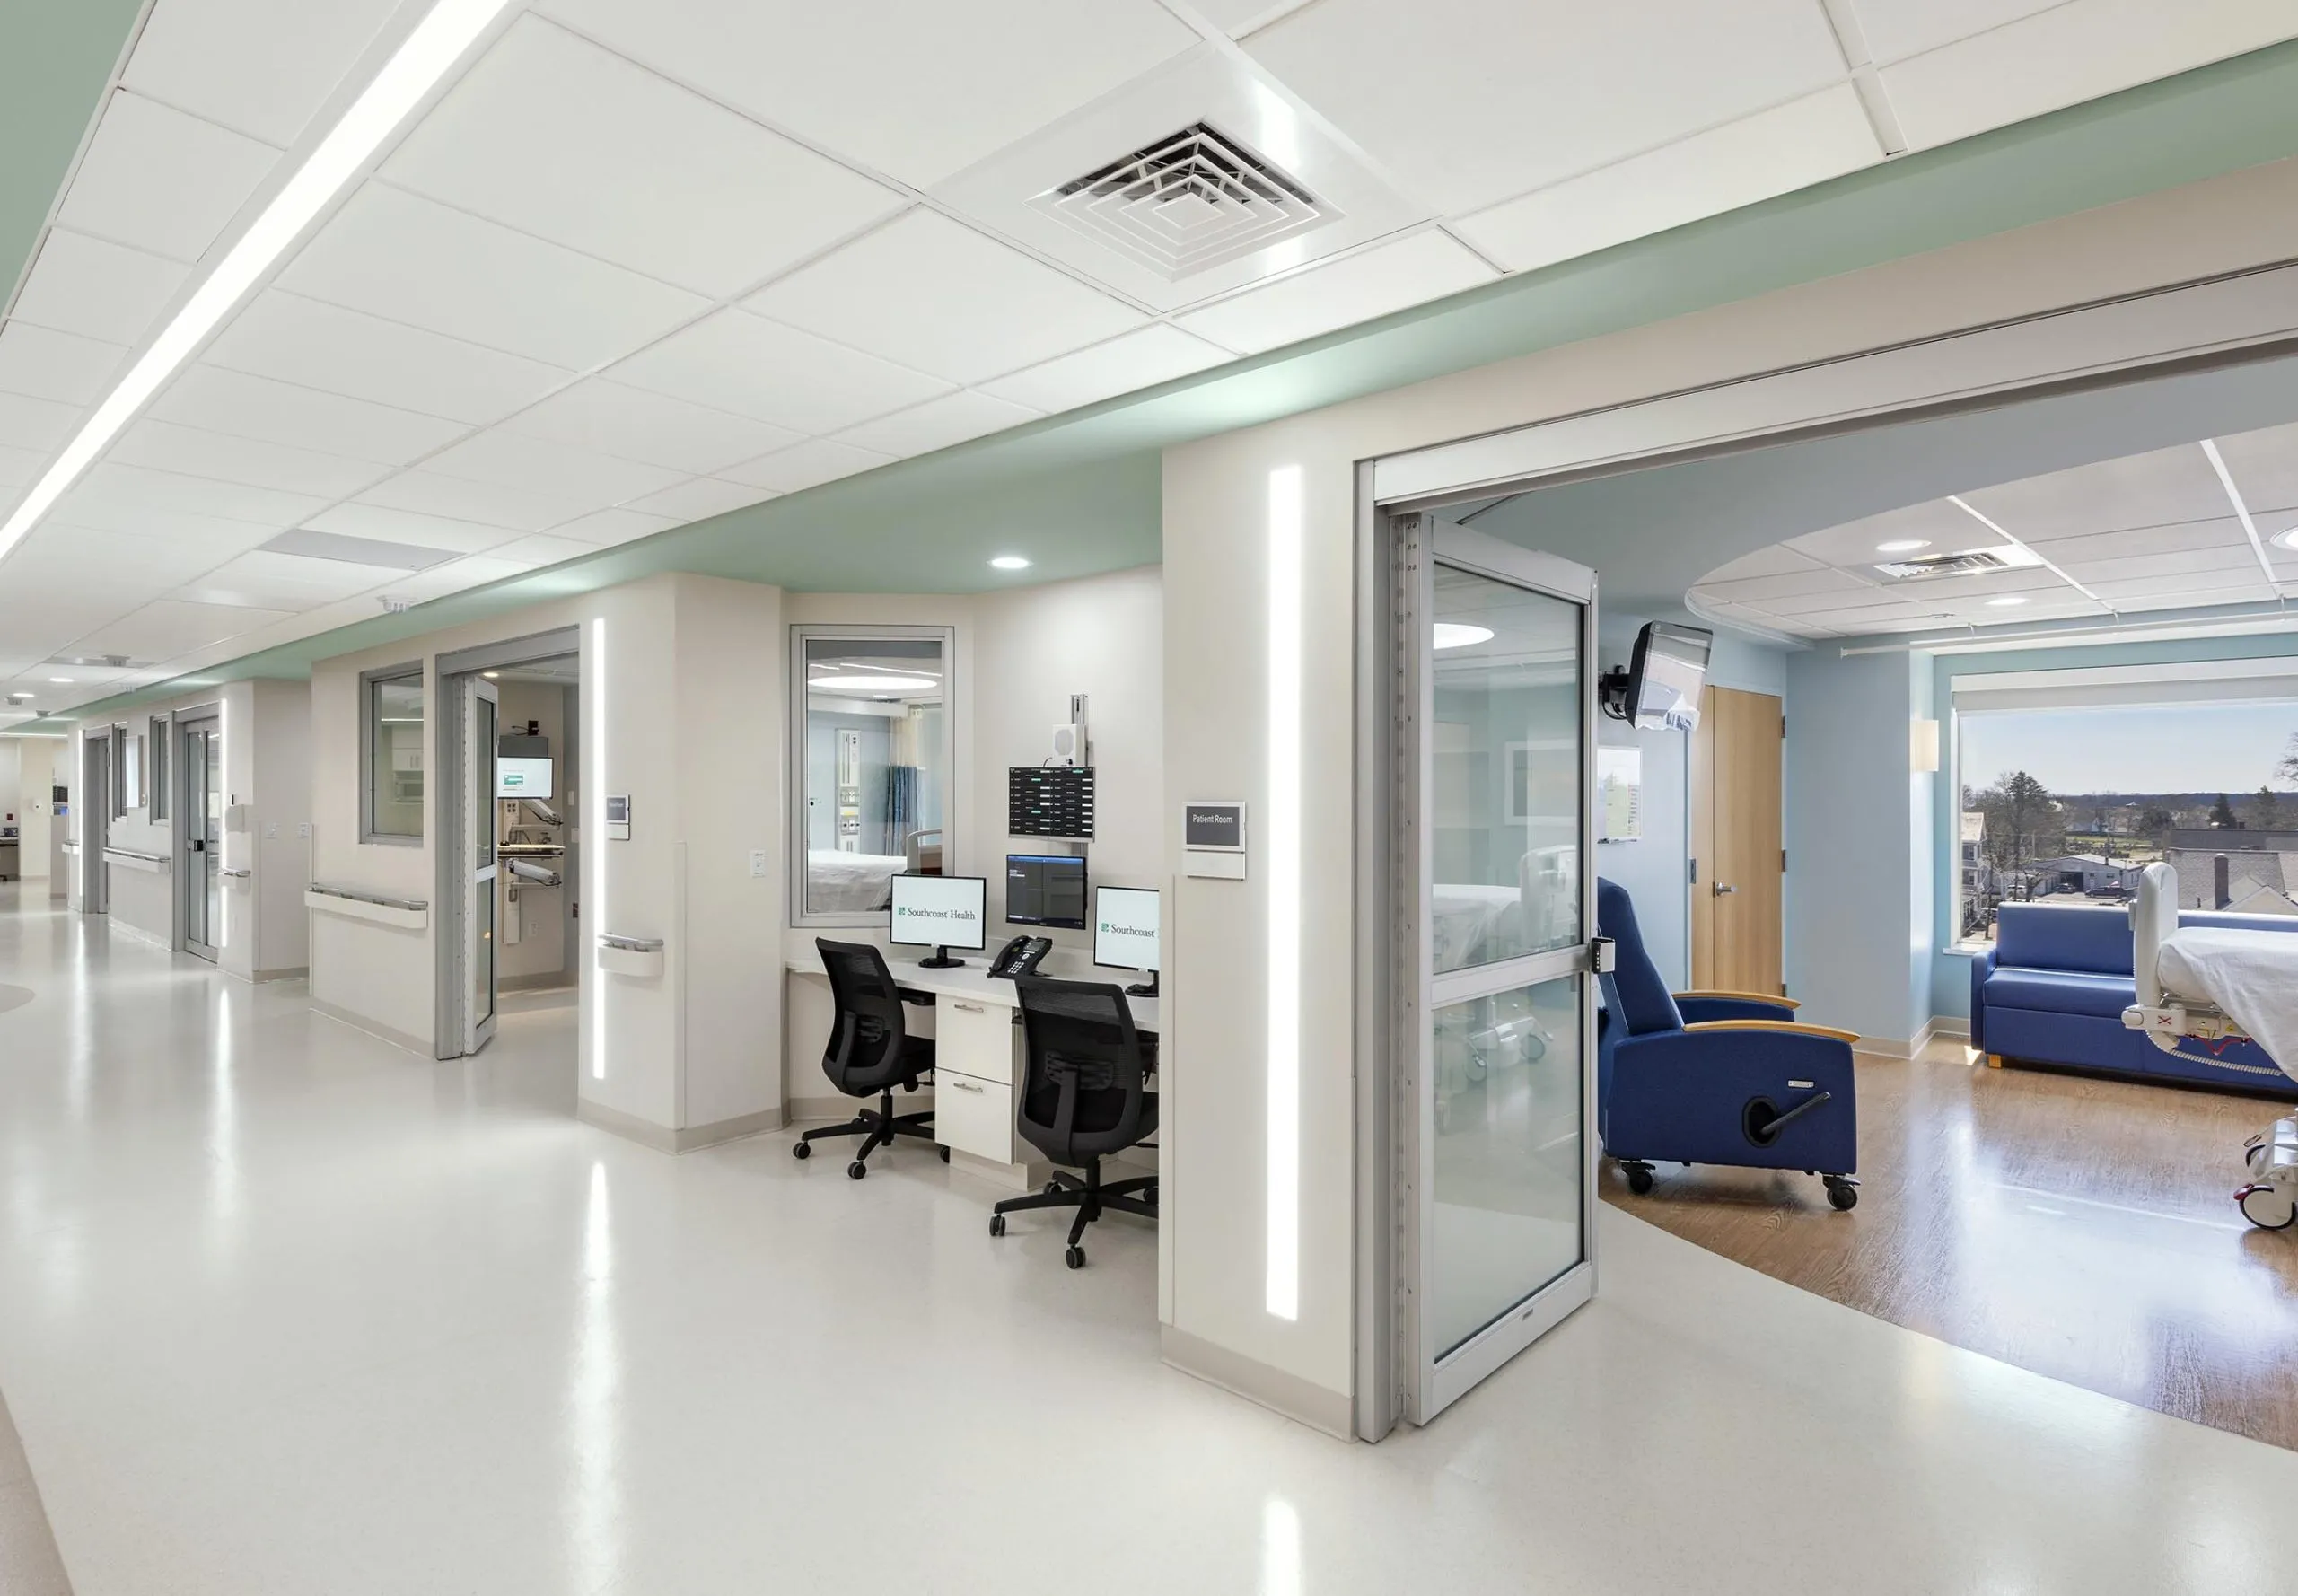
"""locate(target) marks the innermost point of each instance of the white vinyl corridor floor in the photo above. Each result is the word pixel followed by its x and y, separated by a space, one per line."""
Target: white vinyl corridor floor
pixel 285 1310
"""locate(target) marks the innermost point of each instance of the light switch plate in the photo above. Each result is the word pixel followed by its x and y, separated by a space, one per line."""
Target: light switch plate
pixel 270 831
pixel 304 829
pixel 757 860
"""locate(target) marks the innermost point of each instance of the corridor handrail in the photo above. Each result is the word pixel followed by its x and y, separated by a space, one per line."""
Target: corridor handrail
pixel 354 895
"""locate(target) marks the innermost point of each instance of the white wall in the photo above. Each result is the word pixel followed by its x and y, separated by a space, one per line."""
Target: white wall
pixel 1217 494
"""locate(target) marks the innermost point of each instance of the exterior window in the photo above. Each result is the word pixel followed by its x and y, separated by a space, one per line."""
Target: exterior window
pixel 871 716
pixel 395 757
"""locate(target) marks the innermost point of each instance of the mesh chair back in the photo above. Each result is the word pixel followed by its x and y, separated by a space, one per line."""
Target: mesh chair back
pixel 1084 1083
pixel 865 1040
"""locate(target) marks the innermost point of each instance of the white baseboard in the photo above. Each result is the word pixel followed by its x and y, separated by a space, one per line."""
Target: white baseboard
pixel 381 1033
pixel 661 1138
pixel 1296 1399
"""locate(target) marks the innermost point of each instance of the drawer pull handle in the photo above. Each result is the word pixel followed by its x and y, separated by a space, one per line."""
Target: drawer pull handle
pixel 970 1008
pixel 965 1086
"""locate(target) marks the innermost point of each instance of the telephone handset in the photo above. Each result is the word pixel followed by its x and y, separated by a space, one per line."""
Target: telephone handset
pixel 1021 957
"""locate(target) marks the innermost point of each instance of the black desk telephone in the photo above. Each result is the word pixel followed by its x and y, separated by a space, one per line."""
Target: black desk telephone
pixel 1021 957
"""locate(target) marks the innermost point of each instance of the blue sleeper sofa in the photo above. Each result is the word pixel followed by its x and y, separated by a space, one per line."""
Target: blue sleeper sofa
pixel 2053 989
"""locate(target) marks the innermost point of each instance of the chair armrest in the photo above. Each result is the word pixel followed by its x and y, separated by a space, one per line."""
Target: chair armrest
pixel 1786 1027
pixel 1766 999
pixel 1695 1006
pixel 924 1000
pixel 1982 966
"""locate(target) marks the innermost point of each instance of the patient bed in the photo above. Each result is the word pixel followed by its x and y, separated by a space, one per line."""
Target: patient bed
pixel 2216 985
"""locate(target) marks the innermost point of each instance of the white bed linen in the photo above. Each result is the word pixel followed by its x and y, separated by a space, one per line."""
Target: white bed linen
pixel 846 882
pixel 2251 974
pixel 1466 915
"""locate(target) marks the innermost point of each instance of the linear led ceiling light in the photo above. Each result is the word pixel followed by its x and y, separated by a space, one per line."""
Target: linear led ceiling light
pixel 417 67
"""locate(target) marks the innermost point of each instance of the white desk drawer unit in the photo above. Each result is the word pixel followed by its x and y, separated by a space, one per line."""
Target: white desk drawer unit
pixel 974 1066
pixel 974 1116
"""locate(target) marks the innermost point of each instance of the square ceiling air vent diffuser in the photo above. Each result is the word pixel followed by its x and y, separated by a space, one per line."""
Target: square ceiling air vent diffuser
pixel 1947 565
pixel 1188 203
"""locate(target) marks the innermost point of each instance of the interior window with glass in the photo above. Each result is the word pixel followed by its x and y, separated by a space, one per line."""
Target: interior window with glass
pixel 156 741
pixel 874 774
pixel 395 756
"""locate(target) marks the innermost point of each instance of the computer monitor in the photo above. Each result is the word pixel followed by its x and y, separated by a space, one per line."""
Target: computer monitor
pixel 522 778
pixel 1046 889
pixel 940 912
pixel 1125 933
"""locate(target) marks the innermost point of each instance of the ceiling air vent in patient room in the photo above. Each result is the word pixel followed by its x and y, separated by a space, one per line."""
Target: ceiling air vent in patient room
pixel 1188 203
pixel 1945 565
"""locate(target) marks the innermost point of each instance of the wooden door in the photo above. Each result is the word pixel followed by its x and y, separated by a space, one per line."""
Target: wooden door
pixel 1737 864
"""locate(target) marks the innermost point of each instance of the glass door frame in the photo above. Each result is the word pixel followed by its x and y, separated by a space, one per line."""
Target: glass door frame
pixel 480 729
pixel 190 828
pixel 1400 1376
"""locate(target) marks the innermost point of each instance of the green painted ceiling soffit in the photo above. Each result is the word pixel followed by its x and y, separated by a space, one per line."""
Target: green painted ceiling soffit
pixel 1079 493
pixel 56 58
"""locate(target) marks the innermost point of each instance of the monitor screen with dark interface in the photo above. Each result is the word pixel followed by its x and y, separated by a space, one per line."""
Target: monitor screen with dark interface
pixel 1125 928
pixel 940 911
pixel 1046 889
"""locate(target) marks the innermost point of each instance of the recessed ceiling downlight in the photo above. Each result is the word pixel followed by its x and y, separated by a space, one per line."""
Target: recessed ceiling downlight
pixel 1902 545
pixel 1453 633
pixel 873 683
pixel 2287 538
pixel 1010 562
pixel 2007 602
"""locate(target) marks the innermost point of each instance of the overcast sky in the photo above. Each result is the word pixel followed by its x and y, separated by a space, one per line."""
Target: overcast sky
pixel 2176 748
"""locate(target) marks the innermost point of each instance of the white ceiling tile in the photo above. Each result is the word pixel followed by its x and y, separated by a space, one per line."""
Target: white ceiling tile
pixel 2035 607
pixel 2217 532
pixel 2264 465
pixel 96 289
pixel 1763 589
pixel 561 471
pixel 735 361
pixel 809 464
pixel 1471 102
pixel 937 296
pixel 19 467
pixel 406 258
pixel 263 66
pixel 162 181
pixel 937 424
pixel 167 446
pixel 2235 556
pixel 1939 526
pixel 1135 361
pixel 1238 18
pixel 171 627
pixel 324 347
pixel 44 364
pixel 2148 596
pixel 608 527
pixel 41 425
pixel 455 577
pixel 1895 30
pixel 288 582
pixel 2067 54
pixel 917 89
pixel 2157 488
pixel 214 538
pixel 700 500
pixel 1983 584
pixel 637 424
pixel 132 499
pixel 246 406
pixel 2122 587
pixel 1777 560
pixel 1385 279
pixel 45 621
pixel 458 498
pixel 96 559
pixel 562 139
pixel 389 525
pixel 536 552
pixel 1775 151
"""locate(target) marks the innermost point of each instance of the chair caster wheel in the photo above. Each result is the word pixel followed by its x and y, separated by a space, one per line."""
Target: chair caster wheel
pixel 2266 1207
pixel 1842 1194
pixel 944 1152
pixel 803 1150
pixel 997 1225
pixel 1074 1258
pixel 1639 1180
pixel 856 1169
pixel 1052 1187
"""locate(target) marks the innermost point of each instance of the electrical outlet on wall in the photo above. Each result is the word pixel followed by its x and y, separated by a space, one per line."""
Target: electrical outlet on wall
pixel 757 862
pixel 304 829
pixel 270 831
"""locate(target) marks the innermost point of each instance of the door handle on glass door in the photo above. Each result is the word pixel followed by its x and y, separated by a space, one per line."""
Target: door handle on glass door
pixel 1720 890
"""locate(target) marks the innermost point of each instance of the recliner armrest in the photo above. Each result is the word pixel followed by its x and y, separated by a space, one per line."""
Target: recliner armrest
pixel 1697 1006
pixel 1762 998
pixel 1784 1027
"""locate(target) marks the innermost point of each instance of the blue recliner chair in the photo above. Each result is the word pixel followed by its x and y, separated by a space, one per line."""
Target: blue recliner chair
pixel 1715 1077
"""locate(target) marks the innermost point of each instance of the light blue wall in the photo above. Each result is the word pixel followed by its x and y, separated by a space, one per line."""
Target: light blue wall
pixel 1653 870
pixel 1949 973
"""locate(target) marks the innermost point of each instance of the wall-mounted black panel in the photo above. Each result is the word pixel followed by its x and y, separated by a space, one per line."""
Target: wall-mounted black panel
pixel 1049 801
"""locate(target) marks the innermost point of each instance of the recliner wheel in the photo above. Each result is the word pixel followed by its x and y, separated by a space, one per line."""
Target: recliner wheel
pixel 1074 1258
pixel 856 1169
pixel 1639 1180
pixel 1843 1195
pixel 803 1150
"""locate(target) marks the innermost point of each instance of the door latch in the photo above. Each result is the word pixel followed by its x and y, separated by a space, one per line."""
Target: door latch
pixel 1603 954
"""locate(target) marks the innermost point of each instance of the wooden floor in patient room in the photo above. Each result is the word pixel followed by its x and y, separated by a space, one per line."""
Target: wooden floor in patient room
pixel 2080 1228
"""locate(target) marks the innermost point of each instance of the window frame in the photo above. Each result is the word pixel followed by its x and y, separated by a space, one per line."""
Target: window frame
pixel 159 767
pixel 417 671
pixel 803 633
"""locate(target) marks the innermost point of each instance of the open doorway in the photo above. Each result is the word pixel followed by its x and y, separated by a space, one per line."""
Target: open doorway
pixel 199 873
pixel 509 944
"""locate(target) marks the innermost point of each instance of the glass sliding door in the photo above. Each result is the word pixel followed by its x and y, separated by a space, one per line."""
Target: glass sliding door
pixel 202 811
pixel 477 836
pixel 1494 882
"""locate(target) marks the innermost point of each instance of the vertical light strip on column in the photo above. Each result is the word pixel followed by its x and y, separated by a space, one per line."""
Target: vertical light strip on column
pixel 222 756
pixel 594 829
pixel 1281 832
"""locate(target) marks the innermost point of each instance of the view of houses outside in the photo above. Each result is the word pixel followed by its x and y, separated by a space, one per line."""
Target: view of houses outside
pixel 2070 804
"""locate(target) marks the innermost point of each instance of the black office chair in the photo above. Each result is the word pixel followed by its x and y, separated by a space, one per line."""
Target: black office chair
pixel 871 1052
pixel 1084 1095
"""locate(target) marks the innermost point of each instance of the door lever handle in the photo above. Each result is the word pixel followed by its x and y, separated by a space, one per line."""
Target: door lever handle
pixel 1720 890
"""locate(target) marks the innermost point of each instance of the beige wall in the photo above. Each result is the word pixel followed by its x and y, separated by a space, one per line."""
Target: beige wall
pixel 1215 535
